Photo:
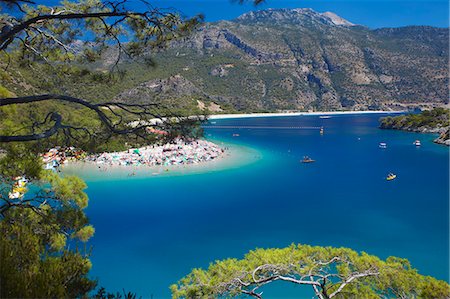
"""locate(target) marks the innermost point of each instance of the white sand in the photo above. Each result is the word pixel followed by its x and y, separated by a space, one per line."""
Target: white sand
pixel 251 115
pixel 234 157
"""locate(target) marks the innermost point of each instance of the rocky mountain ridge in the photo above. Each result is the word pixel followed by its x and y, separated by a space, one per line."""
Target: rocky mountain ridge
pixel 272 60
pixel 296 16
pixel 299 59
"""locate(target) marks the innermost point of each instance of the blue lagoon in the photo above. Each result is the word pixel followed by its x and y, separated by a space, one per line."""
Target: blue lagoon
pixel 152 230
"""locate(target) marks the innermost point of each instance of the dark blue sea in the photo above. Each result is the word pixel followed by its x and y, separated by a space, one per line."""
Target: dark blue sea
pixel 150 232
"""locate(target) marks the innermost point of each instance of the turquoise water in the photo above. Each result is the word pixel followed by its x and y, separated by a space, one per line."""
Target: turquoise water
pixel 152 231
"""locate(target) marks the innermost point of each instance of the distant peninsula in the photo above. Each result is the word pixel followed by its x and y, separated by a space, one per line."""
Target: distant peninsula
pixel 436 120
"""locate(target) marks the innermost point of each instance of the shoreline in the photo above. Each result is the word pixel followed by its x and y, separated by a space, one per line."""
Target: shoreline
pixel 234 157
pixel 177 152
pixel 283 114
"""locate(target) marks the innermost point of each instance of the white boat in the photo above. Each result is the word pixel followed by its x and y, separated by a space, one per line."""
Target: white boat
pixel 382 145
pixel 391 177
pixel 324 116
pixel 417 143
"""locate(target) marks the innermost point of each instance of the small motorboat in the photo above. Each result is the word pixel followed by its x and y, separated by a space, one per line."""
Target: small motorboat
pixel 382 145
pixel 417 143
pixel 325 117
pixel 307 159
pixel 391 177
pixel 235 135
pixel 321 130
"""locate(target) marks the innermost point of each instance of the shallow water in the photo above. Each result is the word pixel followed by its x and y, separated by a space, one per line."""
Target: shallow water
pixel 235 156
pixel 151 231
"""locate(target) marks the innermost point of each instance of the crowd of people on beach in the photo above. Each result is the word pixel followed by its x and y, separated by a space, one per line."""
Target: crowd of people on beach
pixel 57 156
pixel 178 152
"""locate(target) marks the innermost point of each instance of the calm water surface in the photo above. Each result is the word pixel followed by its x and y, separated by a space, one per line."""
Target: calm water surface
pixel 152 231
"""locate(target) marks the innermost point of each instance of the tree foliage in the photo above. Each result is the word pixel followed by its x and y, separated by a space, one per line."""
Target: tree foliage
pixel 36 263
pixel 429 119
pixel 53 33
pixel 42 232
pixel 43 228
pixel 330 272
pixel 74 32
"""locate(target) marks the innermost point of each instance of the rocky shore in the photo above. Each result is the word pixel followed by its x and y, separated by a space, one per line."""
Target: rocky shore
pixel 430 121
pixel 444 137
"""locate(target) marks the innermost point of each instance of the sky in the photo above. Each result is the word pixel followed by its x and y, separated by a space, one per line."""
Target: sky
pixel 370 13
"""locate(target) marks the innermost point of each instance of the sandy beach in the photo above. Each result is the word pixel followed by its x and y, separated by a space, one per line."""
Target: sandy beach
pixel 234 156
pixel 104 166
pixel 320 113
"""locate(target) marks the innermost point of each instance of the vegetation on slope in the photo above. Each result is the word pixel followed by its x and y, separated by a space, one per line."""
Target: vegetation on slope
pixel 428 121
pixel 272 65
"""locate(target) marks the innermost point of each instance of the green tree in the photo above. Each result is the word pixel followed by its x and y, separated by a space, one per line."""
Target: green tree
pixel 330 272
pixel 43 227
pixel 428 119
pixel 37 228
pixel 79 32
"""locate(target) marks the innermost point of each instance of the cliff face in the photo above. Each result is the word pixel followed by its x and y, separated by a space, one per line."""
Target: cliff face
pixel 299 59
pixel 160 88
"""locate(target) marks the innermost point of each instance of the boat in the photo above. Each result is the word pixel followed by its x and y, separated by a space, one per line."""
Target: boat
pixel 324 116
pixel 417 143
pixel 235 135
pixel 382 145
pixel 307 159
pixel 391 177
pixel 321 130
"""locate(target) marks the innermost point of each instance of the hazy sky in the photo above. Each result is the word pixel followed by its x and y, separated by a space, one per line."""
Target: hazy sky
pixel 371 13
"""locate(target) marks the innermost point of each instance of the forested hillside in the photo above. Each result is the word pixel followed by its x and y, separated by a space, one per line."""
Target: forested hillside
pixel 269 60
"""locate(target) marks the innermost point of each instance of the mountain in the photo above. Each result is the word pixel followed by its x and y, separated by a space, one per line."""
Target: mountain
pixel 289 59
pixel 282 59
pixel 297 16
